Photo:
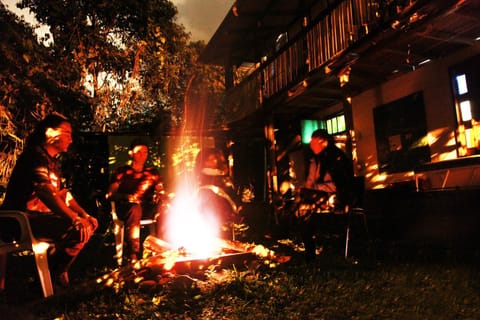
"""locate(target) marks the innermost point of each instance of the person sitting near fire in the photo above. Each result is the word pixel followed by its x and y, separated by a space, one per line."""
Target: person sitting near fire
pixel 138 193
pixel 216 189
pixel 329 172
pixel 35 187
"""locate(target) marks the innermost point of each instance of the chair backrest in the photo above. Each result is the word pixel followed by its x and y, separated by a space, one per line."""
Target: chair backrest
pixel 358 190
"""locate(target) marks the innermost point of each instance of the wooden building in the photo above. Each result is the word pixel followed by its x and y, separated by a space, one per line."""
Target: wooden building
pixel 396 81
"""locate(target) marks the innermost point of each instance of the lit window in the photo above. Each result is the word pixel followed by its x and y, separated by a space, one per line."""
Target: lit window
pixel 308 126
pixel 466 110
pixel 341 123
pixel 469 137
pixel 329 126
pixel 466 105
pixel 461 84
pixel 334 125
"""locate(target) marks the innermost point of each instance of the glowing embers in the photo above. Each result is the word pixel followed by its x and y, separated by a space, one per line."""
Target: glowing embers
pixel 163 256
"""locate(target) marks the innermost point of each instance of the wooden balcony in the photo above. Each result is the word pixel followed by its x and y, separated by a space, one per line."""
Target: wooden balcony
pixel 324 40
pixel 377 42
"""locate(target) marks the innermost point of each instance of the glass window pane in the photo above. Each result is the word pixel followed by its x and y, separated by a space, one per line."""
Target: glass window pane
pixel 341 123
pixel 329 126
pixel 308 126
pixel 334 126
pixel 469 137
pixel 465 110
pixel 323 125
pixel 461 84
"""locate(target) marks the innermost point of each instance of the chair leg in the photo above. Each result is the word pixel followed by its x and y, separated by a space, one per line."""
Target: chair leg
pixel 347 239
pixel 3 270
pixel 365 227
pixel 41 259
pixel 119 231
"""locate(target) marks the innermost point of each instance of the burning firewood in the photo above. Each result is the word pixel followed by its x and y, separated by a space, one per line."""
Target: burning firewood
pixel 156 247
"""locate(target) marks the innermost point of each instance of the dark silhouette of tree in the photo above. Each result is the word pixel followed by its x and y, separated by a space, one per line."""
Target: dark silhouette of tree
pixel 113 66
pixel 29 87
pixel 127 56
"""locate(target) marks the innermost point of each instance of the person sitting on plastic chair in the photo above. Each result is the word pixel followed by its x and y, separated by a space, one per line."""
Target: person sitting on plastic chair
pixel 138 194
pixel 35 187
pixel 329 177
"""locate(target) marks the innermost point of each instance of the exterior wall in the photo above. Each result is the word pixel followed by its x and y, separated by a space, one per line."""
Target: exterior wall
pixel 434 81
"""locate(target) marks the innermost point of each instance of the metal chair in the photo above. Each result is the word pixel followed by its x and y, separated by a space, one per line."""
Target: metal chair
pixel 355 209
pixel 119 232
pixel 316 202
pixel 25 242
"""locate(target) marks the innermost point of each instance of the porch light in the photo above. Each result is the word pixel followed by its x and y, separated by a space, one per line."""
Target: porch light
pixel 344 76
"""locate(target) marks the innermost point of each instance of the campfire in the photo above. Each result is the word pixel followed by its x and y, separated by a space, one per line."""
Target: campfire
pixel 192 239
pixel 191 242
pixel 191 246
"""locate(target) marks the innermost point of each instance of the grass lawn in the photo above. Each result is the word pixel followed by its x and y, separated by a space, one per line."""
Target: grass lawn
pixel 391 285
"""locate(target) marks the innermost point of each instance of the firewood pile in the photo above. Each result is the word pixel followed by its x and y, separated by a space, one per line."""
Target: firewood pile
pixel 160 259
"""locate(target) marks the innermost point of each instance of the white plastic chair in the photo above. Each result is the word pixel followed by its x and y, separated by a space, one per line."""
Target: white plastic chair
pixel 119 232
pixel 26 242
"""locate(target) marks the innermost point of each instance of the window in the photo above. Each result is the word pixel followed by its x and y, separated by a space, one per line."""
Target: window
pixel 334 125
pixel 461 84
pixel 465 111
pixel 400 127
pixel 466 93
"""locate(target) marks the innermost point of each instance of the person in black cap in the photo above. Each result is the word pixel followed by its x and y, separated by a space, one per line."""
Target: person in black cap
pixel 329 169
pixel 138 193
pixel 329 172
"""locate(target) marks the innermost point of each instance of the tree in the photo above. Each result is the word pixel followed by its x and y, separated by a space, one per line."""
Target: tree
pixel 29 87
pixel 112 67
pixel 126 55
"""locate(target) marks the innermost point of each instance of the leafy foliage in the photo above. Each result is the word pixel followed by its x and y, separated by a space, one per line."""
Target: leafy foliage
pixel 123 54
pixel 29 87
pixel 113 66
pixel 123 66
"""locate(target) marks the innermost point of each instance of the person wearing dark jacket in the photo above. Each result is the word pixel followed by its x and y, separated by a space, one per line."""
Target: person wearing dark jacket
pixel 329 172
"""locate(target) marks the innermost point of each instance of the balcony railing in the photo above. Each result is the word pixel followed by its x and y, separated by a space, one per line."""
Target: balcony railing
pixel 326 38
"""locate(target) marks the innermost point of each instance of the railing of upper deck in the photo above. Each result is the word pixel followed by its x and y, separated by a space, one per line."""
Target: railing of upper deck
pixel 330 35
pixel 320 43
